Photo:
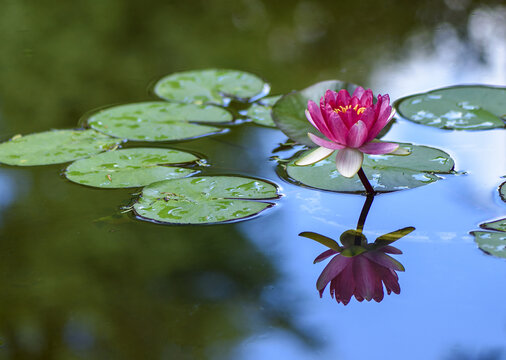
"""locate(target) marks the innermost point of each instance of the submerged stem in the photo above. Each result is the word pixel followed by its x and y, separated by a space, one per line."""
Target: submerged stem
pixel 368 188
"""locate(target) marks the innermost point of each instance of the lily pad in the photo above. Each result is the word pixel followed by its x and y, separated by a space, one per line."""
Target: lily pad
pixel 502 191
pixel 130 167
pixel 209 86
pixel 260 112
pixel 470 107
pixel 385 172
pixel 492 242
pixel 54 147
pixel 204 200
pixel 159 121
pixel 288 112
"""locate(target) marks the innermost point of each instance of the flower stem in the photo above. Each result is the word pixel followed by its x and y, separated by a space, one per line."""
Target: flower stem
pixel 368 188
pixel 365 211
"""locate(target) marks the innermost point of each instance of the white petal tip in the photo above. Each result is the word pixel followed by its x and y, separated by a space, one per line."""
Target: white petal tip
pixel 314 156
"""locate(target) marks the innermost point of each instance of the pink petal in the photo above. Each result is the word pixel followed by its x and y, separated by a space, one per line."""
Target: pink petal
pixel 391 250
pixel 358 92
pixel 391 281
pixel 378 148
pixel 363 273
pixel 314 116
pixel 368 117
pixel 336 127
pixel 330 98
pixel 357 135
pixel 326 144
pixel 344 285
pixel 343 97
pixel 380 123
pixel 314 156
pixel 324 255
pixel 333 268
pixel 349 161
pixel 367 98
pixel 384 260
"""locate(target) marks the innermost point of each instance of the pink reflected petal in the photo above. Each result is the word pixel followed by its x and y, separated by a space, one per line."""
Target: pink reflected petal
pixel 384 260
pixel 333 268
pixel 324 255
pixel 349 161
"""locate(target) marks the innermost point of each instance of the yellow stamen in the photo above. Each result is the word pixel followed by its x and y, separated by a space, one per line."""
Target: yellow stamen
pixel 343 109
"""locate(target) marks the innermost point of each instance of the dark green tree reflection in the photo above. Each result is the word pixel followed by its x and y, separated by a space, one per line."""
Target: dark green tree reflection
pixel 359 268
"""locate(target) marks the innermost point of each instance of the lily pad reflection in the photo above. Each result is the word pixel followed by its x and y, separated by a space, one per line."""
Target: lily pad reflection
pixel 204 200
pixel 386 172
pixel 492 242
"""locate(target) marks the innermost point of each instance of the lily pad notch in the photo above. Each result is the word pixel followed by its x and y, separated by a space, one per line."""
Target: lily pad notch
pixel 205 200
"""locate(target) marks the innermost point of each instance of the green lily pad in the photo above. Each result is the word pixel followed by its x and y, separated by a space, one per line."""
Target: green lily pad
pixel 502 191
pixel 499 225
pixel 260 112
pixel 289 116
pixel 204 200
pixel 209 86
pixel 470 107
pixel 492 242
pixel 130 167
pixel 385 172
pixel 159 121
pixel 54 147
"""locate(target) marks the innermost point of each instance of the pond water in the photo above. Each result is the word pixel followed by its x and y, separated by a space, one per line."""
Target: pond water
pixel 82 280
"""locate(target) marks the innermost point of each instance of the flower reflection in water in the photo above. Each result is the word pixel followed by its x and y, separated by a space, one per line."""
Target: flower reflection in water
pixel 359 268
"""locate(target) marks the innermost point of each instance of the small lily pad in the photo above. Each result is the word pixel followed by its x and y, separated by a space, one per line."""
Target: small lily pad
pixel 492 242
pixel 385 172
pixel 54 147
pixel 209 86
pixel 502 191
pixel 470 107
pixel 204 200
pixel 130 167
pixel 159 121
pixel 260 112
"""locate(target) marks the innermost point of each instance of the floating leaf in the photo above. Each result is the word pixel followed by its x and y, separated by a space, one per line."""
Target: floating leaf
pixel 499 225
pixel 209 86
pixel 467 107
pixel 203 200
pixel 385 172
pixel 492 242
pixel 502 191
pixel 260 112
pixel 130 167
pixel 54 147
pixel 159 121
pixel 288 112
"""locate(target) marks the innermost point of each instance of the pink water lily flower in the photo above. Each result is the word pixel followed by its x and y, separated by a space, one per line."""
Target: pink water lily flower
pixel 362 275
pixel 350 124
